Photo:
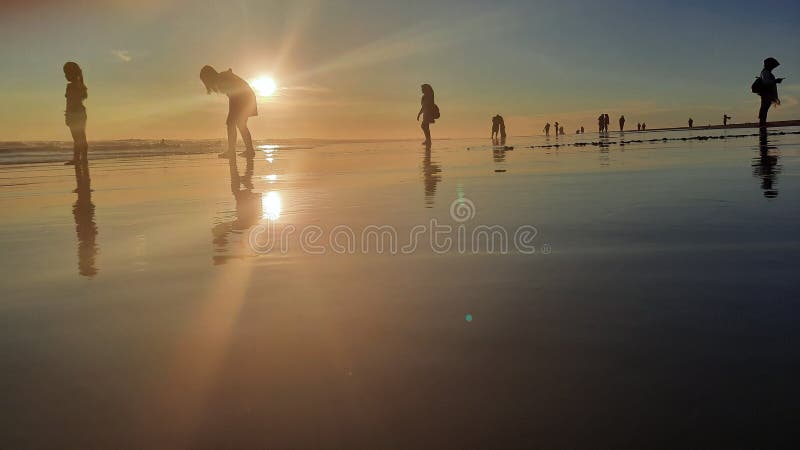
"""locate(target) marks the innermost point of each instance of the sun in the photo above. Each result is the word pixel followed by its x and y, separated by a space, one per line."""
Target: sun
pixel 264 86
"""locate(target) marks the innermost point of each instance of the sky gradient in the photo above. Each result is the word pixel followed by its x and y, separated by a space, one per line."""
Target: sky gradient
pixel 352 69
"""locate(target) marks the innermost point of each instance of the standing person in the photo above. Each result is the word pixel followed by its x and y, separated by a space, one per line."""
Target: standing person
pixel 606 122
pixel 638 126
pixel 601 119
pixel 581 129
pixel 241 106
pixel 644 126
pixel 556 126
pixel 502 127
pixel 75 113
pixel 495 126
pixel 547 129
pixel 725 119
pixel 691 122
pixel 429 112
pixel 621 123
pixel 768 89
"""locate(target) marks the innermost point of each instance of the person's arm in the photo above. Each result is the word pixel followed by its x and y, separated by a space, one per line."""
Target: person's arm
pixel 419 113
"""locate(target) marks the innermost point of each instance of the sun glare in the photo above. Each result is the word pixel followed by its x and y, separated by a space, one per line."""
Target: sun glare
pixel 264 86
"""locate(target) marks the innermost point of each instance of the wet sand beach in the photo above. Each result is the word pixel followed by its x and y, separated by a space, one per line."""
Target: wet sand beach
pixel 653 305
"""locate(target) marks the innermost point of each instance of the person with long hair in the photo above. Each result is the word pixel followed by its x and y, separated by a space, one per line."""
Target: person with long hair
pixel 241 106
pixel 75 112
pixel 428 111
pixel 769 89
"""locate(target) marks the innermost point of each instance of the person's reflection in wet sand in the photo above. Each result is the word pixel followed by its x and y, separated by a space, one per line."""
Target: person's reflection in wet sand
pixel 765 166
pixel 85 226
pixel 248 209
pixel 431 176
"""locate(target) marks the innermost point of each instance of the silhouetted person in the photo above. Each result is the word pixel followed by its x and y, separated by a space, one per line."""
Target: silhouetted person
pixel 725 119
pixel 638 127
pixel 429 111
pixel 691 122
pixel 601 123
pixel 241 106
pixel 768 90
pixel 606 122
pixel 431 176
pixel 581 130
pixel 547 129
pixel 498 127
pixel 75 112
pixel 556 128
pixel 644 126
pixel 85 226
pixel 621 123
pixel 765 166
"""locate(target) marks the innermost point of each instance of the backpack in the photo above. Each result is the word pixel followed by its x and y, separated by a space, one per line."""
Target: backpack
pixel 436 113
pixel 758 86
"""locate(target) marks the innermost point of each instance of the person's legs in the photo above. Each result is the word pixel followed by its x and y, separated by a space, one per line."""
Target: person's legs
pixel 766 102
pixel 80 146
pixel 426 128
pixel 231 138
pixel 246 137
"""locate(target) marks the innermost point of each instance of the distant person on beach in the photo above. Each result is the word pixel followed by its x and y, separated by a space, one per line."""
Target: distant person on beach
pixel 638 127
pixel 621 123
pixel 429 112
pixel 725 119
pixel 556 128
pixel 601 120
pixel 75 113
pixel 691 122
pixel 498 127
pixel 241 106
pixel 768 89
pixel 606 122
pixel 581 130
pixel 644 126
pixel 547 129
pixel 495 126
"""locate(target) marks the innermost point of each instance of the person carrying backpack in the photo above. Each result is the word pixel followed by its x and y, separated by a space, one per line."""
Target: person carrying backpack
pixel 766 86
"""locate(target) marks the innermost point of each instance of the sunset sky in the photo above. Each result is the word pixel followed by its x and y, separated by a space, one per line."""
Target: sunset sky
pixel 352 68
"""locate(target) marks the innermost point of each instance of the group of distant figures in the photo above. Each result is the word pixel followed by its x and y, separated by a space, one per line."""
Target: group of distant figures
pixel 602 126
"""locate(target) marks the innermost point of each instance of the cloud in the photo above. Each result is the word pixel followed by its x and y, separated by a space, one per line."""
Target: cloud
pixel 122 55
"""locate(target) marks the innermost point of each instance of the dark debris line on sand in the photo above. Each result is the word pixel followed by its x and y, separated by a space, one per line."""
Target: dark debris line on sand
pixel 664 139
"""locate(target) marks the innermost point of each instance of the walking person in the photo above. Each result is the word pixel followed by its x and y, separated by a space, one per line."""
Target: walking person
pixel 725 119
pixel 547 129
pixel 621 123
pixel 241 106
pixel 768 89
pixel 691 122
pixel 429 112
pixel 75 113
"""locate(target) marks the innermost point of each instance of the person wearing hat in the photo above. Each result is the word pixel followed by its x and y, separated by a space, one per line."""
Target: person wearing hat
pixel 769 90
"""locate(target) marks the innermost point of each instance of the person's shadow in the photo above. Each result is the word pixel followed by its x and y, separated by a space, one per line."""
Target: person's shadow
pixel 249 209
pixel 85 226
pixel 765 165
pixel 431 176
